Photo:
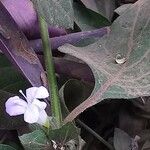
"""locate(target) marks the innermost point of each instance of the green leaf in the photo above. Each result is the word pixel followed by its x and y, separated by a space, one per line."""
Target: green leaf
pixel 104 7
pixel 10 82
pixel 126 76
pixel 73 92
pixel 35 140
pixel 56 12
pixel 87 19
pixel 6 147
pixel 65 134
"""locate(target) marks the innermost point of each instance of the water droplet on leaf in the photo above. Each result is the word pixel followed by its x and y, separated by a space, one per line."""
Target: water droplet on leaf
pixel 120 59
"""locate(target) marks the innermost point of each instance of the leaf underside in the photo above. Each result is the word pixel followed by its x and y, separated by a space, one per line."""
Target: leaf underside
pixel 128 37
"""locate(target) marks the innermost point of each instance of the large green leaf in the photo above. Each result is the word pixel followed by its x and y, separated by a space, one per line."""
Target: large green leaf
pixel 6 147
pixel 56 12
pixel 120 61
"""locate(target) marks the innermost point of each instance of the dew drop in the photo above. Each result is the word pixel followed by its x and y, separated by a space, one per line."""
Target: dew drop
pixel 120 59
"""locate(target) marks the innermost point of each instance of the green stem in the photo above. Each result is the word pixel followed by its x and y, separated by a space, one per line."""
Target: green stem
pixel 52 83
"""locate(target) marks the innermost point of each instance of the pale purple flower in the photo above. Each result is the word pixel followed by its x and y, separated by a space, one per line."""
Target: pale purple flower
pixel 33 109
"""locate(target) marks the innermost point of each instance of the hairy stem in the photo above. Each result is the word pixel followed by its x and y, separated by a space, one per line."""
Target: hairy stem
pixel 52 83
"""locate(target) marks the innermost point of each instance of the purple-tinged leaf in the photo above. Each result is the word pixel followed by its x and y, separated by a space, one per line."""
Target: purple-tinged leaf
pixel 15 46
pixel 25 16
pixel 120 61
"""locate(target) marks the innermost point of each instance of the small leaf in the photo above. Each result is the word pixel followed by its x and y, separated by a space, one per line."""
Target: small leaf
pixel 6 147
pixel 122 141
pixel 129 37
pixel 56 12
pixel 65 134
pixel 35 140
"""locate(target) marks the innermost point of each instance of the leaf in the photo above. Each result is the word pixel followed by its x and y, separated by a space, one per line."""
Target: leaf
pixel 10 79
pixel 120 10
pixel 56 12
pixel 146 145
pixel 10 82
pixel 122 141
pixel 15 46
pixel 35 140
pixel 129 37
pixel 73 92
pixel 103 7
pixel 6 147
pixel 87 19
pixel 65 134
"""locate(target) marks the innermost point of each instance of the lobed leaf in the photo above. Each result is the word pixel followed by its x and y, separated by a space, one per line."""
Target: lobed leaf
pixel 128 38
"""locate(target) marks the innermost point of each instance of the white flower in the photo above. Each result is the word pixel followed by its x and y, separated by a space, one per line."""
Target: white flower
pixel 32 108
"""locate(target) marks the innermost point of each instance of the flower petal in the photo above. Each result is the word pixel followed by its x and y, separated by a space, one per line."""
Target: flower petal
pixel 31 114
pixel 39 104
pixel 36 92
pixel 15 106
pixel 42 118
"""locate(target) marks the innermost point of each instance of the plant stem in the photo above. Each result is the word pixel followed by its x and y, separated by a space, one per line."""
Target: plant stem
pixel 52 83
pixel 95 135
pixel 72 38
